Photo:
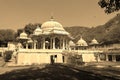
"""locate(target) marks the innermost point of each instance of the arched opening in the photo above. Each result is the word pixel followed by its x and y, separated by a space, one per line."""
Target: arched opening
pixel 47 43
pixel 57 43
pixel 39 43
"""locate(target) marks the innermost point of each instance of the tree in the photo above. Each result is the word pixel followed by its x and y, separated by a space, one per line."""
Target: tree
pixel 18 32
pixel 29 28
pixel 8 55
pixel 7 35
pixel 110 5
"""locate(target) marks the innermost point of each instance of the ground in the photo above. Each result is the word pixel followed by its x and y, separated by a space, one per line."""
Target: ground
pixel 2 63
pixel 59 72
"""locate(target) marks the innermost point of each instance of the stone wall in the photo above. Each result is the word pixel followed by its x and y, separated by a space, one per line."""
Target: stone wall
pixel 33 58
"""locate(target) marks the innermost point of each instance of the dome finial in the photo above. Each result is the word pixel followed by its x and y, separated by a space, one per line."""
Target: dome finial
pixel 38 26
pixel 52 18
pixel 23 31
pixel 81 36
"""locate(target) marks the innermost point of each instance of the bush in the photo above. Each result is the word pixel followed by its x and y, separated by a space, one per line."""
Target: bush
pixel 7 55
pixel 74 59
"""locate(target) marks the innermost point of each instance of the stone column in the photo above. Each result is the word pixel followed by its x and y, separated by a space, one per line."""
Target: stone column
pixel 43 43
pixel 53 42
pixel 60 43
pixel 107 57
pixel 67 46
pixel 98 57
pixel 63 43
pixel 34 45
pixel 26 45
pixel 113 58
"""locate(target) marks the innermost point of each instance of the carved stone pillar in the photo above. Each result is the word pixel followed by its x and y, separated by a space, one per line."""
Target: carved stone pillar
pixel 34 44
pixel 63 43
pixel 26 45
pixel 43 43
pixel 107 57
pixel 53 42
pixel 113 58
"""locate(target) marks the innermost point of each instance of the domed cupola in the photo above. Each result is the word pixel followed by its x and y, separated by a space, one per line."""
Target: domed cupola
pixel 53 27
pixel 23 35
pixel 81 42
pixel 94 42
pixel 37 31
pixel 71 43
pixel 30 41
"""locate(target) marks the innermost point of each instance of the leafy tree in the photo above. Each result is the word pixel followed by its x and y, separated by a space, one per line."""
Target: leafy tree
pixel 29 28
pixel 7 35
pixel 8 55
pixel 18 32
pixel 110 5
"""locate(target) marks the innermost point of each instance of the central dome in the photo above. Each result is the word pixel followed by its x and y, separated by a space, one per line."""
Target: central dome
pixel 51 25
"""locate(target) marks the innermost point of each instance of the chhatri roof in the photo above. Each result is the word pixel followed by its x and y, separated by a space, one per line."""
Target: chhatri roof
pixel 30 41
pixel 81 42
pixel 37 31
pixel 94 41
pixel 53 27
pixel 71 43
pixel 23 35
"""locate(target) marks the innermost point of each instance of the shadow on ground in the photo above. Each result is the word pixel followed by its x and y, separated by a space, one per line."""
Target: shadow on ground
pixel 52 72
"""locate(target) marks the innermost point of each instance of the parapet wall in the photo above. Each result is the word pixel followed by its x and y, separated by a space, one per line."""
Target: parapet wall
pixel 31 57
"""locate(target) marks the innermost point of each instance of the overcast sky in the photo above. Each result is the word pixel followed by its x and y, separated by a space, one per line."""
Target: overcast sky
pixel 16 14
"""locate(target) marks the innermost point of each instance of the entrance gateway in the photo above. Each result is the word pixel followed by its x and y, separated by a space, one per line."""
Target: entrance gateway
pixel 53 59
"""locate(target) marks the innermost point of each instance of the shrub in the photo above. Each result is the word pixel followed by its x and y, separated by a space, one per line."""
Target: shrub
pixel 74 59
pixel 7 55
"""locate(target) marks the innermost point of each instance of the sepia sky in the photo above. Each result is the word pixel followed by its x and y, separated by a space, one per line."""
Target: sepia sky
pixel 16 14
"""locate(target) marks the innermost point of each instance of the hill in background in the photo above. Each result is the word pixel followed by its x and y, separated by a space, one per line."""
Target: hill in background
pixel 107 33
